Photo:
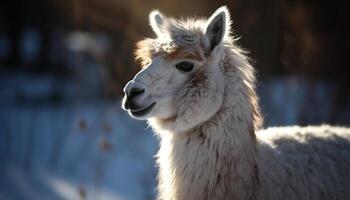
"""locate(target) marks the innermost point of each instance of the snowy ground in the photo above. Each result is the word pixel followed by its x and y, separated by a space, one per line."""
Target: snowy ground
pixel 93 150
pixel 68 152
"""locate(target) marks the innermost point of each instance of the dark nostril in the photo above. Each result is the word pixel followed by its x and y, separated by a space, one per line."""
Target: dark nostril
pixel 134 92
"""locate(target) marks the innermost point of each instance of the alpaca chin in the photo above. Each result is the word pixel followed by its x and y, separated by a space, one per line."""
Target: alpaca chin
pixel 162 126
pixel 189 118
pixel 172 125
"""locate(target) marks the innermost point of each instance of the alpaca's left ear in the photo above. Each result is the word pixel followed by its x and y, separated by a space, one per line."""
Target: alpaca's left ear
pixel 156 20
pixel 217 27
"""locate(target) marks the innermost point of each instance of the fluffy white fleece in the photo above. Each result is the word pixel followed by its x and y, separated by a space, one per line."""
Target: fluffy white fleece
pixel 304 163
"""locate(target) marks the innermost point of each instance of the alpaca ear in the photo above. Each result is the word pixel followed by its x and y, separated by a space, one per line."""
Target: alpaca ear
pixel 217 27
pixel 156 20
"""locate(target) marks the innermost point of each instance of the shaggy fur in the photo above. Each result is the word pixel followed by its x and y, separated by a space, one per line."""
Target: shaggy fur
pixel 208 124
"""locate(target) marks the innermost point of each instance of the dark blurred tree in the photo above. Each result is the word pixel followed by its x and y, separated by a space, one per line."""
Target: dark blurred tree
pixel 308 38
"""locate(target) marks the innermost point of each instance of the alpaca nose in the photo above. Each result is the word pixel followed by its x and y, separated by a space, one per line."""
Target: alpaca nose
pixel 135 92
pixel 133 89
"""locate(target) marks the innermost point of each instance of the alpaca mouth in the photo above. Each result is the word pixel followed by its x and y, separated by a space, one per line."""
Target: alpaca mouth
pixel 143 111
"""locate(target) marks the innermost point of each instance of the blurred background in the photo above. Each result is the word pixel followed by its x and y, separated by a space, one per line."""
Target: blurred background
pixel 63 64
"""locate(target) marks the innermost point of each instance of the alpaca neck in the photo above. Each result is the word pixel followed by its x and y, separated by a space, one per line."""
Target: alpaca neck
pixel 216 159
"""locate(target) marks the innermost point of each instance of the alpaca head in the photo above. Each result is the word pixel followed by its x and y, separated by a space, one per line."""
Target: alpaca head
pixel 181 83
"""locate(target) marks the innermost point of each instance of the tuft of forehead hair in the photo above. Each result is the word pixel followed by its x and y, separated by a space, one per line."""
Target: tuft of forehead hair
pixel 147 49
pixel 183 40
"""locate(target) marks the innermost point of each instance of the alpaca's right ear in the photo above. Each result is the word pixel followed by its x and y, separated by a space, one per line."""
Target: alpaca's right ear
pixel 156 20
pixel 217 27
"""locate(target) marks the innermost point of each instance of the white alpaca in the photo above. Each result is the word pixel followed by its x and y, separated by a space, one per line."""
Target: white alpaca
pixel 197 90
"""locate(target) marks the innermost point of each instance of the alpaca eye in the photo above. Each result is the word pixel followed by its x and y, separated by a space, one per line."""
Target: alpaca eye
pixel 184 66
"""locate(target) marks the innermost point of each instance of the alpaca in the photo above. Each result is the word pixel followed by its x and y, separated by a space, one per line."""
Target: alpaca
pixel 197 91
